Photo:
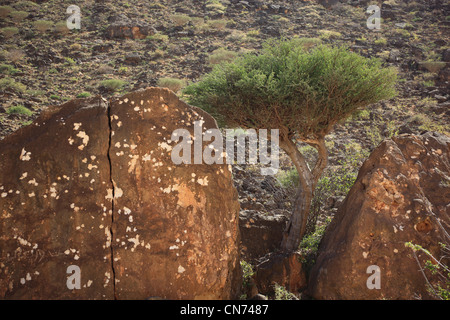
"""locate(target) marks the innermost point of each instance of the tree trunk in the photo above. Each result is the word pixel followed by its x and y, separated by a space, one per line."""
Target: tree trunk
pixel 296 228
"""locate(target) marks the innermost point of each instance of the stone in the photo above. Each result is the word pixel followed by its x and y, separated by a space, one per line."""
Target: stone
pixel 132 59
pixel 261 233
pixel 176 228
pixel 284 269
pixel 92 206
pixel 50 216
pixel 401 195
pixel 122 27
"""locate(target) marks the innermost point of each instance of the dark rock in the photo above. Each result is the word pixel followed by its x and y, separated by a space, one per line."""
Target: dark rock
pixel 123 27
pixel 132 59
pixel 284 269
pixel 91 184
pixel 261 233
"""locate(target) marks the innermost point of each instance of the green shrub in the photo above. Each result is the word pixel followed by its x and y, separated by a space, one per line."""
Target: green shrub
pixel 218 24
pixel 8 32
pixel 171 83
pixel 113 84
pixel 83 95
pixel 328 34
pixel 215 7
pixel 180 19
pixel 5 10
pixel 42 25
pixel 61 28
pixel 221 55
pixel 8 69
pixel 19 109
pixel 18 16
pixel 12 85
pixel 381 42
pixel 159 37
pixel 281 293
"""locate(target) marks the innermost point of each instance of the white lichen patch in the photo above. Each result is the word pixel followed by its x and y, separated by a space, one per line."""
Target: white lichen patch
pixel 4 194
pixel 165 146
pixel 85 139
pixel 181 269
pixel 109 194
pixel 24 155
pixel 76 126
pixel 23 176
pixel 203 181
pixel 146 157
pixel 33 182
pixel 118 193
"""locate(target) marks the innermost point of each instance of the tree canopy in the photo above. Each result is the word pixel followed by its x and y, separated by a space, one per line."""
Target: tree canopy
pixel 292 88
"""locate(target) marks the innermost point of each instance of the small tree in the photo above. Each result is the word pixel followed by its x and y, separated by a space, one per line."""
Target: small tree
pixel 301 92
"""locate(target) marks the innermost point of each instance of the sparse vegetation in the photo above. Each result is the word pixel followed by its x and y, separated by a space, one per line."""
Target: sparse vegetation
pixel 221 55
pixel 113 84
pixel 171 83
pixel 9 32
pixel 9 84
pixel 19 109
pixel 42 25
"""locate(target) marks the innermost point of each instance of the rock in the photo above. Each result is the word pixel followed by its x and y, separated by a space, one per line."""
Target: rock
pixel 259 297
pixel 260 233
pixel 186 214
pixel 123 27
pixel 132 59
pixel 328 3
pixel 444 75
pixel 401 195
pixel 90 186
pixel 50 216
pixel 446 55
pixel 284 269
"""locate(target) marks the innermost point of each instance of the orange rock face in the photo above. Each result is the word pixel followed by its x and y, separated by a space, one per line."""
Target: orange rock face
pixel 92 206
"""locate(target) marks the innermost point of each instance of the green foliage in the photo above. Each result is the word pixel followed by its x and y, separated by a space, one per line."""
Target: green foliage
pixel 310 243
pixel 282 294
pixel 42 25
pixel 113 84
pixel 8 32
pixel 7 69
pixel 439 286
pixel 180 19
pixel 247 272
pixel 158 37
pixel 287 86
pixel 171 83
pixel 221 55
pixel 18 16
pixel 11 85
pixel 328 34
pixel 19 109
pixel 5 10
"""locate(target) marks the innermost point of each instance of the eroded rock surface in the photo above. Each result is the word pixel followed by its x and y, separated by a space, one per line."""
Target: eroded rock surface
pixel 91 184
pixel 401 195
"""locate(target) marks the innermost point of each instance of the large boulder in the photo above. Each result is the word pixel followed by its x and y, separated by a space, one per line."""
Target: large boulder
pixel 92 206
pixel 122 27
pixel 401 195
